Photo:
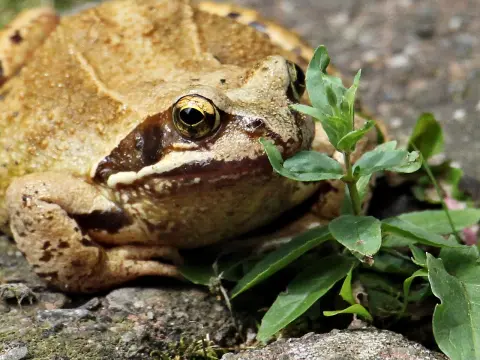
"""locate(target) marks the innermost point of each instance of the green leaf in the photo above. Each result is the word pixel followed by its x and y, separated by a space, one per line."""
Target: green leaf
pixel 456 321
pixel 310 111
pixel 460 261
pixel 427 136
pixel 436 221
pixel 198 274
pixel 281 257
pixel 351 93
pixel 390 264
pixel 346 291
pixel 419 256
pixel 314 81
pixel 404 229
pixel 303 166
pixel 395 241
pixel 313 163
pixel 326 92
pixel 352 309
pixel 408 283
pixel 361 234
pixel 336 128
pixel 304 290
pixel 384 157
pixel 348 142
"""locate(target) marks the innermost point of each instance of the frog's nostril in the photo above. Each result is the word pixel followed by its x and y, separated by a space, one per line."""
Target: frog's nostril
pixel 251 124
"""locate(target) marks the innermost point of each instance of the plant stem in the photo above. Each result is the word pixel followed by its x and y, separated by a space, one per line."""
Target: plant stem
pixel 352 186
pixel 440 196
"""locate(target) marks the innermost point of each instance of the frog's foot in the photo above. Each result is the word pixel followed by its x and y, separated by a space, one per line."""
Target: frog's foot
pixel 20 38
pixel 52 216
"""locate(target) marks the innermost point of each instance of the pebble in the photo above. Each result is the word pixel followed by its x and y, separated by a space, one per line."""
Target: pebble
pixel 15 354
pixel 91 304
pixel 396 122
pixel 455 23
pixel 398 61
pixel 57 316
pixel 459 115
pixel 425 22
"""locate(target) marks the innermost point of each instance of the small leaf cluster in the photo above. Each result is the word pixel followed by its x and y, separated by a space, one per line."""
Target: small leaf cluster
pixel 369 250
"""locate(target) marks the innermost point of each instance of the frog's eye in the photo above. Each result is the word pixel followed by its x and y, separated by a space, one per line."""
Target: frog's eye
pixel 195 116
pixel 297 81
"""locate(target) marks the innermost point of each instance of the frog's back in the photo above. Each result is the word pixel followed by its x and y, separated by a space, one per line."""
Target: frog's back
pixel 104 70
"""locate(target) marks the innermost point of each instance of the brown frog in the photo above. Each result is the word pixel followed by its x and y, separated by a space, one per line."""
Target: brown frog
pixel 130 130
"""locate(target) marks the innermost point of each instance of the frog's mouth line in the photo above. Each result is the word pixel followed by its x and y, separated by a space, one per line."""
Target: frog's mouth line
pixel 191 165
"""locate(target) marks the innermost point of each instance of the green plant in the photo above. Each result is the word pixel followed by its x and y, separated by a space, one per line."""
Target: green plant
pixel 371 247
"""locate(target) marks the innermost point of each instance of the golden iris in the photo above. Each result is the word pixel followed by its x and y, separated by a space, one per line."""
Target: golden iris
pixel 195 116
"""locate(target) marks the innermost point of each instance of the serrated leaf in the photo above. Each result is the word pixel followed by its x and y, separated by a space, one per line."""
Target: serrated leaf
pixel 352 309
pixel 360 234
pixel 456 321
pixel 348 142
pixel 383 157
pixel 303 166
pixel 281 257
pixel 404 229
pixel 427 136
pixel 436 221
pixel 304 290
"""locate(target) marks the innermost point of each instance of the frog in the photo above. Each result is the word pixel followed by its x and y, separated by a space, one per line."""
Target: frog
pixel 130 132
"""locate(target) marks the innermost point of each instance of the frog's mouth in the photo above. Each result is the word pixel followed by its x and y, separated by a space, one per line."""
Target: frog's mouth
pixel 193 166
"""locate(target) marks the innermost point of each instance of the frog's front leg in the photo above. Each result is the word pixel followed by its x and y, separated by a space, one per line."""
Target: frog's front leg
pixel 55 219
pixel 20 38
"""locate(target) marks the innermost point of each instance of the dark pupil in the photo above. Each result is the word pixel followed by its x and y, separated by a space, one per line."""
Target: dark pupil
pixel 191 116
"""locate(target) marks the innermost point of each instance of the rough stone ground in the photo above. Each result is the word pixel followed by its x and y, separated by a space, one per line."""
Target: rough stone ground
pixel 416 56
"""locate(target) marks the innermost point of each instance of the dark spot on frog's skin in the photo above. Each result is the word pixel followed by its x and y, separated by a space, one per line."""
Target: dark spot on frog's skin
pixel 63 244
pixel 16 38
pixel 46 245
pixel 111 221
pixel 2 79
pixel 86 242
pixel 76 229
pixel 223 81
pixel 47 256
pixel 234 15
pixel 25 198
pixel 77 263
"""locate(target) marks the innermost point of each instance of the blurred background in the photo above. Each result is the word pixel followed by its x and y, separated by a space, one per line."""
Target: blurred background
pixel 416 56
